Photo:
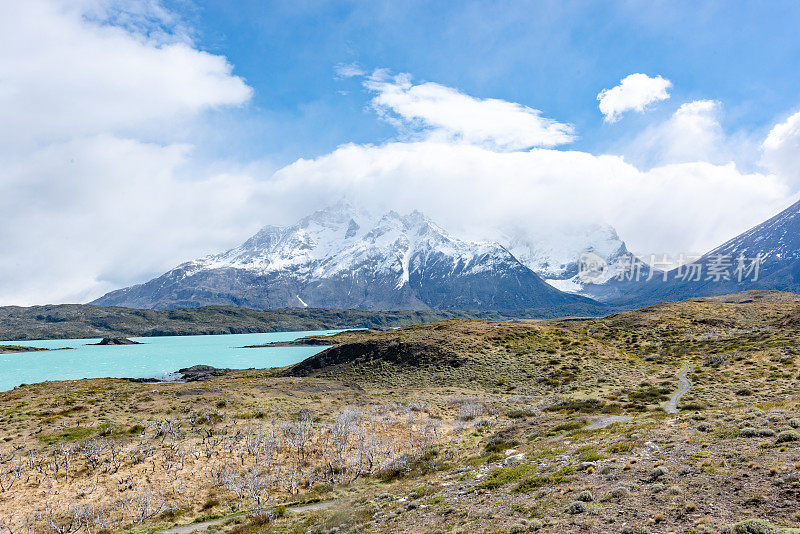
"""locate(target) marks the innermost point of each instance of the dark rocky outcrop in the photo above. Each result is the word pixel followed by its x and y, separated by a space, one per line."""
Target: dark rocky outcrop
pixel 7 349
pixel 197 373
pixel 399 353
pixel 116 341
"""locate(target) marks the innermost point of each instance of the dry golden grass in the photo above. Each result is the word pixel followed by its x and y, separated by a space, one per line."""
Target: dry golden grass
pixel 427 444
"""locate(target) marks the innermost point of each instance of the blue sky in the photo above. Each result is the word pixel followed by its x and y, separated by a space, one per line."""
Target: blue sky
pixel 139 134
pixel 552 56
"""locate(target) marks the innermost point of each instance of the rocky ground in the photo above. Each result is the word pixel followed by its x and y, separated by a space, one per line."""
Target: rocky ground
pixel 457 426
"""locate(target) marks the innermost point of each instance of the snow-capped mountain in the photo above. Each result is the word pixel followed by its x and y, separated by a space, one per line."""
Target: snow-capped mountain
pixel 555 254
pixel 341 257
pixel 765 257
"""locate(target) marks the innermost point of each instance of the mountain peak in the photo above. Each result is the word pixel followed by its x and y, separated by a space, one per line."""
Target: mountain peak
pixel 343 257
pixel 333 214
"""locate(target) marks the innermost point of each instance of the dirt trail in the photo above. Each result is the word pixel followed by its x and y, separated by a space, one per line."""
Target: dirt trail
pixel 195 527
pixel 671 407
pixel 685 385
pixel 607 421
pixel 202 527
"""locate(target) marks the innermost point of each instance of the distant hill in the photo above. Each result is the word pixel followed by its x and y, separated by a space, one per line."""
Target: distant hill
pixel 89 321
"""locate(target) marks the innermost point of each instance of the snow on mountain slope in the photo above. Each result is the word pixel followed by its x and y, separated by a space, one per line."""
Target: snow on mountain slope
pixel 555 254
pixel 342 257
pixel 775 240
pixel 335 240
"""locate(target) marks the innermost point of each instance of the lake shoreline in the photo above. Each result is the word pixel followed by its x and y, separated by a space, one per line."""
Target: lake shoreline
pixel 153 359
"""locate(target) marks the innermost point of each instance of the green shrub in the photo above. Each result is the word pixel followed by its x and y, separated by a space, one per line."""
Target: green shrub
pixel 578 405
pixel 210 503
pixel 761 526
pixel 694 406
pixel 658 472
pixel 590 455
pixel 788 435
pixel 622 446
pixel 619 492
pixel 69 434
pixel 537 481
pixel 505 475
pixel 576 508
pixel 500 444
pixel 650 395
pixel 408 464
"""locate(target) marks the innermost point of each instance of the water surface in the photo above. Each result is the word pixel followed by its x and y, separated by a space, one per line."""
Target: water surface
pixel 156 356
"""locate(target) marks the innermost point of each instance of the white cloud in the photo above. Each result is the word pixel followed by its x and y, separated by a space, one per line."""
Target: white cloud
pixel 695 130
pixel 781 149
pixel 94 97
pixel 634 92
pixel 65 74
pixel 88 215
pixel 348 70
pixel 692 133
pixel 444 114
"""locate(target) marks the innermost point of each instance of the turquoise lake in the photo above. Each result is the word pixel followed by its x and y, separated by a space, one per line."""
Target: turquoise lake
pixel 156 357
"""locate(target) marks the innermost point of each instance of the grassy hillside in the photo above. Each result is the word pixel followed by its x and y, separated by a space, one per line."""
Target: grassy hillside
pixel 456 426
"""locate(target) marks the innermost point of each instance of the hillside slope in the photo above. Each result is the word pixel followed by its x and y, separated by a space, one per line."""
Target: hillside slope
pixel 729 268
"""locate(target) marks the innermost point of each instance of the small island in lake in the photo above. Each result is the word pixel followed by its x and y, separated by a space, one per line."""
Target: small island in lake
pixel 116 341
pixel 9 349
pixel 302 342
pixel 5 349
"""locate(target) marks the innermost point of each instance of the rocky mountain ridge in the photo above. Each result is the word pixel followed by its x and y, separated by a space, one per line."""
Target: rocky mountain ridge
pixel 341 257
